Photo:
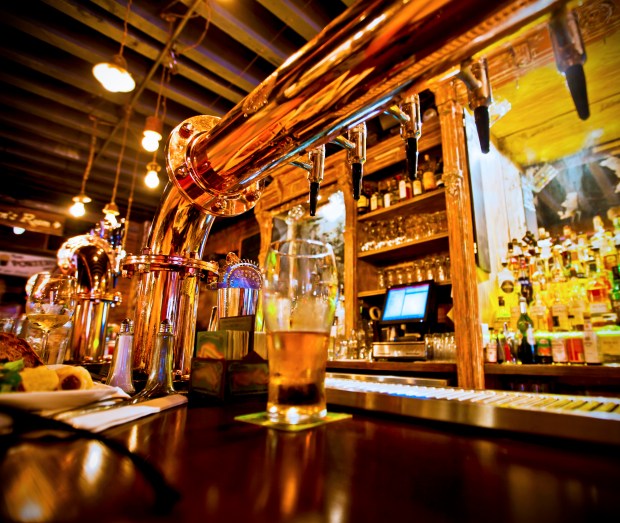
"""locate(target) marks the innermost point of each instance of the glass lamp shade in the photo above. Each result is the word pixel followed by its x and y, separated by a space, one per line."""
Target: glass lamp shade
pixel 114 75
pixel 152 134
pixel 78 209
pixel 152 179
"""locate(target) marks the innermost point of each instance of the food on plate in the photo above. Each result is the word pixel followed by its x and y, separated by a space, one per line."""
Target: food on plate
pixel 13 348
pixel 14 377
pixel 38 379
pixel 74 378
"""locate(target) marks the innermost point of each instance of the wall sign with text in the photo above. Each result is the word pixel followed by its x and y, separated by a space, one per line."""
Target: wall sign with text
pixel 14 264
pixel 32 219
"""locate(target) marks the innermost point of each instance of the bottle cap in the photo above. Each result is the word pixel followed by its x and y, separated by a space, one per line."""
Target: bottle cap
pixel 166 327
pixel 126 326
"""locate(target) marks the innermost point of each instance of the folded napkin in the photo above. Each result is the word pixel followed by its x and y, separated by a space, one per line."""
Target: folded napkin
pixel 104 419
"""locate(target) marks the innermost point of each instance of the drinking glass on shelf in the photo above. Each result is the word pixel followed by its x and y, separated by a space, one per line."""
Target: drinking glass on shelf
pixel 300 292
pixel 51 304
pixel 381 278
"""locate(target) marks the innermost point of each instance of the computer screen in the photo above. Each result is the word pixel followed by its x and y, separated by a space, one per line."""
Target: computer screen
pixel 408 303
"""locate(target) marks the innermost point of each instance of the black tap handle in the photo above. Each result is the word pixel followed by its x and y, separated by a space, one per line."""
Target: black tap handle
pixel 314 197
pixel 576 80
pixel 481 116
pixel 356 171
pixel 411 150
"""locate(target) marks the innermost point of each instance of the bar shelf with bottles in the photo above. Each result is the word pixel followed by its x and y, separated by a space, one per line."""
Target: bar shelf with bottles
pixel 558 304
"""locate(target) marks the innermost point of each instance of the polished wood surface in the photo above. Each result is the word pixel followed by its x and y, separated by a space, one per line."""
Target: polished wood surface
pixel 362 469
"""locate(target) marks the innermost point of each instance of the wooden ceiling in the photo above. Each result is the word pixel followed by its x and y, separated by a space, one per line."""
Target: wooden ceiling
pixel 48 92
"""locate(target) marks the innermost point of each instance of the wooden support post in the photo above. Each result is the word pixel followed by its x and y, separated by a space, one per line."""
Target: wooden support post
pixel 470 364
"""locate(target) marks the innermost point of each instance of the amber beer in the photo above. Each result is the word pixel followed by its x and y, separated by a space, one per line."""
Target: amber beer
pixel 299 296
pixel 297 363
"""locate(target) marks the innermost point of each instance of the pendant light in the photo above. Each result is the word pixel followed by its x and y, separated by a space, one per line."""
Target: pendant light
pixel 77 209
pixel 152 178
pixel 114 75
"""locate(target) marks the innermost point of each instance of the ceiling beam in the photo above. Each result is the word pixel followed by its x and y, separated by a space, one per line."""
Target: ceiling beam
pixel 81 13
pixel 245 29
pixel 302 20
pixel 215 60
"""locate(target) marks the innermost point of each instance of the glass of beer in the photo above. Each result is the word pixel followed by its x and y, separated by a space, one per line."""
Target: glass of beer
pixel 300 292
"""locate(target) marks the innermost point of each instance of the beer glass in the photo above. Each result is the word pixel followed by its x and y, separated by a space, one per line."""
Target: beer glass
pixel 50 305
pixel 300 292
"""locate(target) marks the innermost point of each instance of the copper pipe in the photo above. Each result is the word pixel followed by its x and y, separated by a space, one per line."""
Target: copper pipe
pixel 350 72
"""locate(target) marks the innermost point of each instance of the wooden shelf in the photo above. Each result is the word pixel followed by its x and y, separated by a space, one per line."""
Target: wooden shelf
pixel 565 371
pixel 411 249
pixel 420 367
pixel 432 201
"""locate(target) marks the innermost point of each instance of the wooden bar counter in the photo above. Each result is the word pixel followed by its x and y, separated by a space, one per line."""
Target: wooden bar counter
pixel 371 467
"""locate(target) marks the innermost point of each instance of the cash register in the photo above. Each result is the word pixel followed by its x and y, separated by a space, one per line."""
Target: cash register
pixel 407 315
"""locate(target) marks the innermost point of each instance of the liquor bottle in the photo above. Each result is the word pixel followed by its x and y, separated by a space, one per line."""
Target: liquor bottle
pixel 525 284
pixel 502 315
pixel 501 358
pixel 559 314
pixel 376 200
pixel 439 171
pixel 544 354
pixel 509 347
pixel 590 345
pixel 490 353
pixel 388 195
pixel 527 349
pixel 363 203
pixel 615 292
pixel 404 188
pixel 428 175
pixel 540 314
pixel 524 318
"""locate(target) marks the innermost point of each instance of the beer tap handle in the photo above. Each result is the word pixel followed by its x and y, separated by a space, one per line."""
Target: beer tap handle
pixel 410 131
pixel 315 175
pixel 570 55
pixel 475 75
pixel 357 156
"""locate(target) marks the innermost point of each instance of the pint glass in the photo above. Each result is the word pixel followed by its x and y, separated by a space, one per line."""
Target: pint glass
pixel 300 291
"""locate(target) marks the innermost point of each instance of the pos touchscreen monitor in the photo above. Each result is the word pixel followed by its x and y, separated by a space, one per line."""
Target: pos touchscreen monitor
pixel 408 303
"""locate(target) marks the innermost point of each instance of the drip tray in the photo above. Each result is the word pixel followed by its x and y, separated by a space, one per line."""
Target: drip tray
pixel 586 418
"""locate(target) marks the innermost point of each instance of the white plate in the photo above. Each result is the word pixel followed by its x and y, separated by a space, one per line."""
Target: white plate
pixel 58 399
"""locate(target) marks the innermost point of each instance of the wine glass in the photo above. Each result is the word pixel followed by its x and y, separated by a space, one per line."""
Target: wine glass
pixel 50 305
pixel 300 292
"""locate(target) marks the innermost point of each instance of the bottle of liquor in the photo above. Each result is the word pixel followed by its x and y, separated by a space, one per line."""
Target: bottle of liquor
pixel 524 324
pixel 388 195
pixel 363 204
pixel 376 200
pixel 527 349
pixel 559 313
pixel 428 175
pixel 509 348
pixel 490 353
pixel 404 188
pixel 540 314
pixel 525 284
pixel 543 348
pixel 502 315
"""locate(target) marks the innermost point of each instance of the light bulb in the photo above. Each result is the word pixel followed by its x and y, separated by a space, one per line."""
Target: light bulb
pixel 114 75
pixel 111 219
pixel 19 230
pixel 150 142
pixel 77 209
pixel 151 179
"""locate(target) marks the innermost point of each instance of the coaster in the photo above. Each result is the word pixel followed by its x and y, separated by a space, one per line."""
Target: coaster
pixel 260 418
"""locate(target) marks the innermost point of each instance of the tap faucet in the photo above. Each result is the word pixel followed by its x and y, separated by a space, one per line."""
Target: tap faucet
pixel 410 131
pixel 475 75
pixel 315 175
pixel 357 156
pixel 570 55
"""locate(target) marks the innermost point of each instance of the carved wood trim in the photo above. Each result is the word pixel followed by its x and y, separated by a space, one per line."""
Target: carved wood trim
pixel 470 368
